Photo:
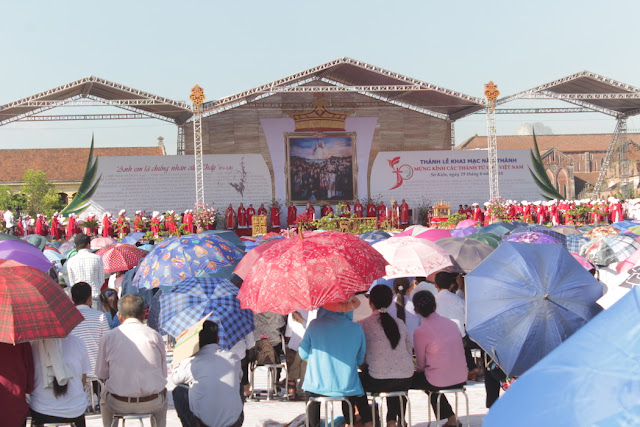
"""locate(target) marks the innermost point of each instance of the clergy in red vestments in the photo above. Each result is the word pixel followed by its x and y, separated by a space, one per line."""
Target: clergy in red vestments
pixel 404 213
pixel 39 227
pixel 170 223
pixel 346 211
pixel 107 231
pixel 615 210
pixel 242 216
pixel 326 210
pixel 71 225
pixel 250 213
pixel 55 226
pixel 382 212
pixel 138 223
pixel 262 210
pixel 428 217
pixel 310 211
pixel 275 215
pixel 487 214
pixel 460 210
pixel 292 214
pixel 467 211
pixel 188 221
pixel 155 224
pixel 372 211
pixel 122 224
pixel 358 210
pixel 229 217
pixel 476 213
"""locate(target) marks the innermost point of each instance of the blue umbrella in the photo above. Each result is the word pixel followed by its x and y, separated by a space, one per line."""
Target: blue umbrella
pixel 194 298
pixel 147 247
pixel 153 320
pixel 229 236
pixel 179 258
pixel 624 225
pixel 374 235
pixel 248 245
pixel 498 228
pixel 133 238
pixel 575 242
pixel 524 300
pixel 592 379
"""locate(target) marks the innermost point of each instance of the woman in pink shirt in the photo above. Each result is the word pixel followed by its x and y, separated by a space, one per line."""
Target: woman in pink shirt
pixel 439 352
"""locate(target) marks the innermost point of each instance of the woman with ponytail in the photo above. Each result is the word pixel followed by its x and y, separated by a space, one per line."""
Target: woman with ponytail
pixel 402 307
pixel 389 354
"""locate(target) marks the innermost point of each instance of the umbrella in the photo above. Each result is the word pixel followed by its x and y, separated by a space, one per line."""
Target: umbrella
pixel 628 263
pixel 633 279
pixel 194 298
pixel 634 230
pixel 467 253
pixel 250 245
pixel 566 230
pixel 462 232
pixel 32 306
pixel 413 230
pixel 601 232
pixel 302 274
pixel 624 225
pixel 66 246
pixel 50 248
pixel 434 234
pixel 120 257
pixel 587 227
pixel 24 253
pixel 146 248
pixel 56 244
pixel 498 228
pixel 410 257
pixel 594 377
pixel 488 238
pixel 245 264
pixel 54 257
pixel 466 223
pixel 178 258
pixel 5 236
pixel 375 235
pixel 530 237
pixel 36 240
pixel 133 238
pixel 229 236
pixel 153 320
pixel 101 242
pixel 582 261
pixel 575 242
pixel 524 300
pixel 559 238
pixel 609 249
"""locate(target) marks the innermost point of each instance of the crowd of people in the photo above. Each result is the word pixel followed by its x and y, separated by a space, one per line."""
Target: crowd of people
pixel 325 179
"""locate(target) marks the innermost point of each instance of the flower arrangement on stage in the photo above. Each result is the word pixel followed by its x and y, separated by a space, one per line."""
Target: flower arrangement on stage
pixel 580 213
pixel 204 215
pixel 499 209
pixel 91 224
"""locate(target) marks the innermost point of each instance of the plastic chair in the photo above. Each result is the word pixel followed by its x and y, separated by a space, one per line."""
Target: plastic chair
pixel 455 392
pixel 272 377
pixel 55 424
pixel 381 400
pixel 328 409
pixel 124 417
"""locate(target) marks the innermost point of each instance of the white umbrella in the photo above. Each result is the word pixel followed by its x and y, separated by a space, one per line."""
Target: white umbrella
pixel 410 256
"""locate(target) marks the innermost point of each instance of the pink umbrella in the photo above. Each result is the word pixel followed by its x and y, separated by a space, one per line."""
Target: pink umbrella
pixel 628 263
pixel 409 256
pixel 101 242
pixel 466 223
pixel 583 261
pixel 413 230
pixel 435 234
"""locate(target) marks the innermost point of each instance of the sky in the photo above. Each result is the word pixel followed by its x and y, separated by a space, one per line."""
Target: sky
pixel 165 48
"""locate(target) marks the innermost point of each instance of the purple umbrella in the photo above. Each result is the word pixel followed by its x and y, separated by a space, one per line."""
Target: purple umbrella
pixel 531 237
pixel 463 232
pixel 25 253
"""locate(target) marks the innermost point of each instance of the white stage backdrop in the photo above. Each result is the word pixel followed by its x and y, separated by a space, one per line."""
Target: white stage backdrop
pixel 168 182
pixel 458 177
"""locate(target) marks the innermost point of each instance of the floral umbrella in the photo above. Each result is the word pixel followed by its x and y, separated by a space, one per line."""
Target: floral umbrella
pixel 601 232
pixel 178 258
pixel 410 257
pixel 609 249
pixel 306 273
pixel 558 237
pixel 530 237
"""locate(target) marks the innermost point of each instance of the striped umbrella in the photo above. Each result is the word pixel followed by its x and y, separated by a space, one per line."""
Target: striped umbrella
pixel 609 249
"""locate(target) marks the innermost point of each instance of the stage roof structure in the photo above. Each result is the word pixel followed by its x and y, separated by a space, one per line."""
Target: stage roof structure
pixel 350 75
pixel 95 91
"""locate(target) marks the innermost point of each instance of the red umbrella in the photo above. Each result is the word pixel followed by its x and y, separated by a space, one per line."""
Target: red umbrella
pixel 245 264
pixel 32 306
pixel 302 274
pixel 120 257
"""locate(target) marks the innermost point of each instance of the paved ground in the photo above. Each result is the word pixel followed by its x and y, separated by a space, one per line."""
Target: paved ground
pixel 276 413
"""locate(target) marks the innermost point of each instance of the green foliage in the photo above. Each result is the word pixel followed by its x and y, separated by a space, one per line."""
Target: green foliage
pixel 454 219
pixel 328 223
pixel 540 176
pixel 11 200
pixel 41 195
pixel 87 188
pixel 580 213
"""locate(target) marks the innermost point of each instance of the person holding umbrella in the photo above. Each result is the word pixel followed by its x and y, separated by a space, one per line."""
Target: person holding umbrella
pixel 440 359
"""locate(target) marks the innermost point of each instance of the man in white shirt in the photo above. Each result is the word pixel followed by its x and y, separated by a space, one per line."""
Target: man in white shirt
pixel 213 376
pixel 94 325
pixel 86 267
pixel 132 363
pixel 9 222
pixel 448 304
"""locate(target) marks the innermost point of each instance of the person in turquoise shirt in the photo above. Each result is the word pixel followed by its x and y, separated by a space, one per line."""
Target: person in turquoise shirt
pixel 334 346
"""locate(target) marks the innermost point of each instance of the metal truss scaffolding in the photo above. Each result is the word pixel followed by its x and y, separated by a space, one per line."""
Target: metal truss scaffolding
pixel 619 138
pixel 492 142
pixel 180 151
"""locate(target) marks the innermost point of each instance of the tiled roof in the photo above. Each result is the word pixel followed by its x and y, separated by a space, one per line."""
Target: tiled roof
pixel 61 164
pixel 590 177
pixel 564 143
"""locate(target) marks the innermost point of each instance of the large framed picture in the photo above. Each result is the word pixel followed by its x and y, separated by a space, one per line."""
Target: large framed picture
pixel 321 167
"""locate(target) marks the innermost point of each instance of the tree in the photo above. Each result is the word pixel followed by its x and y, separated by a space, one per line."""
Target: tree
pixel 41 194
pixel 11 200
